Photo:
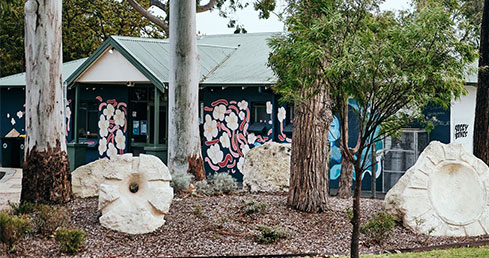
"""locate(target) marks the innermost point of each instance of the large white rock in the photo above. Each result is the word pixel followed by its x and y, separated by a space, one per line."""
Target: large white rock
pixel 266 168
pixel 444 194
pixel 86 180
pixel 135 194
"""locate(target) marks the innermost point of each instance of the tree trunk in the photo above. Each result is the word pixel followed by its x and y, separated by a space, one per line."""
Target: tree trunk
pixel 184 147
pixel 309 182
pixel 46 175
pixel 344 187
pixel 355 221
pixel 346 177
pixel 481 125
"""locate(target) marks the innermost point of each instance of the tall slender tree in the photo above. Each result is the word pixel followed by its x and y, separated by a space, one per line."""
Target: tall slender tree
pixel 46 174
pixel 481 125
pixel 184 146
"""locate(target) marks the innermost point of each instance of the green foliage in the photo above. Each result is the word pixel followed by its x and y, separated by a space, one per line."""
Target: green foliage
pixel 249 208
pixel 217 184
pixel 223 183
pixel 86 24
pixel 203 187
pixel 22 207
pixel 268 235
pixel 70 240
pixel 197 211
pixel 379 227
pixel 49 218
pixel 12 228
pixel 349 213
pixel 181 181
pixel 392 64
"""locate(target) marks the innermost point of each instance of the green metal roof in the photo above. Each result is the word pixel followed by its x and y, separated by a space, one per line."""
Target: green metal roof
pixel 247 65
pixel 18 80
pixel 235 59
pixel 154 55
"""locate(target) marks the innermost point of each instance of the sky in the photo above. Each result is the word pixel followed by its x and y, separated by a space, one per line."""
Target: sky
pixel 210 23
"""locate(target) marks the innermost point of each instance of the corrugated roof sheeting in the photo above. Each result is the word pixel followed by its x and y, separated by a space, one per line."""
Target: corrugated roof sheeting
pixel 18 80
pixel 248 64
pixel 154 55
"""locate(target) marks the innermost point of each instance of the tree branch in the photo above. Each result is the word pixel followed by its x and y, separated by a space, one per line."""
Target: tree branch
pixel 207 7
pixel 158 4
pixel 149 16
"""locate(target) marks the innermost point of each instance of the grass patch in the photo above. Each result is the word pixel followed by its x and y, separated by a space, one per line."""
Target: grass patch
pixel 454 252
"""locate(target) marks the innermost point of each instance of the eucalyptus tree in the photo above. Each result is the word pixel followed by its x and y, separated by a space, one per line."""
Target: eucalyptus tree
pixel 184 146
pixel 481 125
pixel 392 65
pixel 300 71
pixel 46 173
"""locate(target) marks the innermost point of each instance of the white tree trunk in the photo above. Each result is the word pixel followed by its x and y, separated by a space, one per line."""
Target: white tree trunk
pixel 184 147
pixel 46 168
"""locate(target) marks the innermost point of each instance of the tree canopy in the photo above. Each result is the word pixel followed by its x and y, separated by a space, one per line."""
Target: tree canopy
pixel 86 24
pixel 391 64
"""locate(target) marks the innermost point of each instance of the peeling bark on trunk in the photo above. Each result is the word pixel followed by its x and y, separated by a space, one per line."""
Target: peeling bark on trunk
pixel 309 182
pixel 196 168
pixel 481 125
pixel 184 147
pixel 46 176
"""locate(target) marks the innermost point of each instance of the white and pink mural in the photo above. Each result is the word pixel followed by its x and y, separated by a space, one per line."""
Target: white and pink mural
pixel 112 127
pixel 226 135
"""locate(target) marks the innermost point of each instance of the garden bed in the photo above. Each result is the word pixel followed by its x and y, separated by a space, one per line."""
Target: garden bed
pixel 229 225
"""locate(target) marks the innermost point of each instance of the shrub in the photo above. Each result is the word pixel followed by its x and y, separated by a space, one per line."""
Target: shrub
pixel 49 218
pixel 12 228
pixel 22 207
pixel 70 240
pixel 250 208
pixel 379 227
pixel 203 187
pixel 181 181
pixel 268 235
pixel 349 213
pixel 223 183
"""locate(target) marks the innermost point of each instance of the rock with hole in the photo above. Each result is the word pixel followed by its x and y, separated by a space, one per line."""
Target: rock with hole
pixel 266 168
pixel 135 194
pixel 444 194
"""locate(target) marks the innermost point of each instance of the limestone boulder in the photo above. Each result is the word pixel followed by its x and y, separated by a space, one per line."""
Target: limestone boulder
pixel 266 168
pixel 135 194
pixel 86 180
pixel 445 193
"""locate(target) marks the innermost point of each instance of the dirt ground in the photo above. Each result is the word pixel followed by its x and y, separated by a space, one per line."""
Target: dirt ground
pixel 229 225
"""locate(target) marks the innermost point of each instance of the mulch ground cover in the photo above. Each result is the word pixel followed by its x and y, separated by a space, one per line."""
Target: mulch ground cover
pixel 230 226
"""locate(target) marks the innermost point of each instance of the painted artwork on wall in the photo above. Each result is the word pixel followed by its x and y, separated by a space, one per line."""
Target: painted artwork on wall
pixel 226 135
pixel 334 141
pixel 112 127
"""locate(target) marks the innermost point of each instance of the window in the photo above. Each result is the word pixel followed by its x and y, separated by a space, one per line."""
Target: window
pixel 401 154
pixel 259 112
pixel 289 120
pixel 258 118
pixel 88 123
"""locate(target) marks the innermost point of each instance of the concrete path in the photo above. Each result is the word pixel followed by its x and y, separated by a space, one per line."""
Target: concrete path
pixel 10 186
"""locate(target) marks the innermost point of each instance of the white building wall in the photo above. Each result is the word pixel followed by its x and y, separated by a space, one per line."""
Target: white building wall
pixel 462 114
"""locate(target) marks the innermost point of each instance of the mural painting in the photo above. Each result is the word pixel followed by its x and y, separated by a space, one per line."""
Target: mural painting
pixel 226 136
pixel 112 127
pixel 281 117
